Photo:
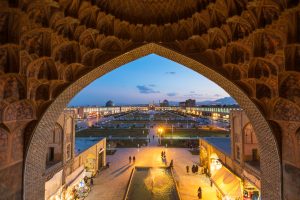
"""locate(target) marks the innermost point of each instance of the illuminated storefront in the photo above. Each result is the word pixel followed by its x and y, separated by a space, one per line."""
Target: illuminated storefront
pixel 76 186
pixel 231 180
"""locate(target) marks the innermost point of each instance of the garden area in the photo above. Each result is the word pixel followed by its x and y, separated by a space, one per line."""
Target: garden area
pixel 194 132
pixel 128 143
pixel 98 132
pixel 179 143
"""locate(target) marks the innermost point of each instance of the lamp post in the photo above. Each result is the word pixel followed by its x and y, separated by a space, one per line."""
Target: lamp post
pixel 160 130
pixel 172 135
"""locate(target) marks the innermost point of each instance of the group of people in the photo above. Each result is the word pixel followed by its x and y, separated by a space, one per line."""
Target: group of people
pixel 195 169
pixel 133 159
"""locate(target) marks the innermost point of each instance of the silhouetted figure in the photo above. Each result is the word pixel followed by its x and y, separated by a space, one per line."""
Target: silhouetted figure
pixel 193 169
pixel 171 164
pixel 129 159
pixel 187 169
pixel 153 137
pixel 196 168
pixel 92 181
pixel 199 193
pixel 133 159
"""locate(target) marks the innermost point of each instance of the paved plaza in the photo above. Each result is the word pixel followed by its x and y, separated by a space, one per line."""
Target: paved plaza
pixel 111 183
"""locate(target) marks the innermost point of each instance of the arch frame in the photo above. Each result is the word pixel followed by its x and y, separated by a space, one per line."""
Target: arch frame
pixel 34 164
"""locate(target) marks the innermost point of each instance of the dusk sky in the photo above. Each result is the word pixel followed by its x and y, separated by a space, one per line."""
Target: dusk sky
pixel 148 79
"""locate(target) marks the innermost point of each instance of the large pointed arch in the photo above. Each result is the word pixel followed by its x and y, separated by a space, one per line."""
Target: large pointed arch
pixel 34 167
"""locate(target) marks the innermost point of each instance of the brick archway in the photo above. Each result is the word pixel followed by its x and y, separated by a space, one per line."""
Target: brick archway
pixel 34 167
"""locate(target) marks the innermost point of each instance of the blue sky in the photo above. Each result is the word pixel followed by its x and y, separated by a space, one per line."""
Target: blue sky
pixel 148 79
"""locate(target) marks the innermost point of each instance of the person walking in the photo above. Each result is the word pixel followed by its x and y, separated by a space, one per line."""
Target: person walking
pixel 199 193
pixel 92 181
pixel 153 137
pixel 187 169
pixel 129 159
pixel 133 159
pixel 171 164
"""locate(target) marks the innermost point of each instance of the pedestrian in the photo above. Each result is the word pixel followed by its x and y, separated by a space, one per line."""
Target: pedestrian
pixel 153 137
pixel 187 169
pixel 162 154
pixel 196 168
pixel 149 140
pixel 92 181
pixel 171 164
pixel 129 159
pixel 199 193
pixel 133 159
pixel 193 169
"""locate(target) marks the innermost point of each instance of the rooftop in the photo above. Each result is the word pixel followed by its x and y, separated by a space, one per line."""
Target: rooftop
pixel 83 143
pixel 221 143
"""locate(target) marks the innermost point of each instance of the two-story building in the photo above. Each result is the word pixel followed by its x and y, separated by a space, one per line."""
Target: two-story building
pixel 233 163
pixel 67 170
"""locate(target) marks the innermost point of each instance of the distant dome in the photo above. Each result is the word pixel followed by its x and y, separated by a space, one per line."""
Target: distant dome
pixel 110 103
pixel 165 103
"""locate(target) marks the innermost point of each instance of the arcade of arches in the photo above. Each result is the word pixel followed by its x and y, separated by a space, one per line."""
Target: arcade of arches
pixel 51 49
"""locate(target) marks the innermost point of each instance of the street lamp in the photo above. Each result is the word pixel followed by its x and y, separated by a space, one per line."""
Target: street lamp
pixel 160 131
pixel 172 135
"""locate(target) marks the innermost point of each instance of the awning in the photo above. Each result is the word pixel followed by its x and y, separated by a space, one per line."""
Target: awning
pixel 74 178
pixel 227 183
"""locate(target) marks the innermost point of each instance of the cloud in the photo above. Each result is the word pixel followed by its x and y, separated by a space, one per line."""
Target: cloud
pixel 192 92
pixel 193 95
pixel 171 94
pixel 202 96
pixel 171 73
pixel 143 89
pixel 152 85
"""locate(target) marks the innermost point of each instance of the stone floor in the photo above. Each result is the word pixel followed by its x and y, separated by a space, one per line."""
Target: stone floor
pixel 111 183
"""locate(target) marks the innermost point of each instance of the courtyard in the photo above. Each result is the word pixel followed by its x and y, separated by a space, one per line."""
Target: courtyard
pixel 111 183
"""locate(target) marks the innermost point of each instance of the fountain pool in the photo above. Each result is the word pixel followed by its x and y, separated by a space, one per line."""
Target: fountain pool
pixel 149 183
